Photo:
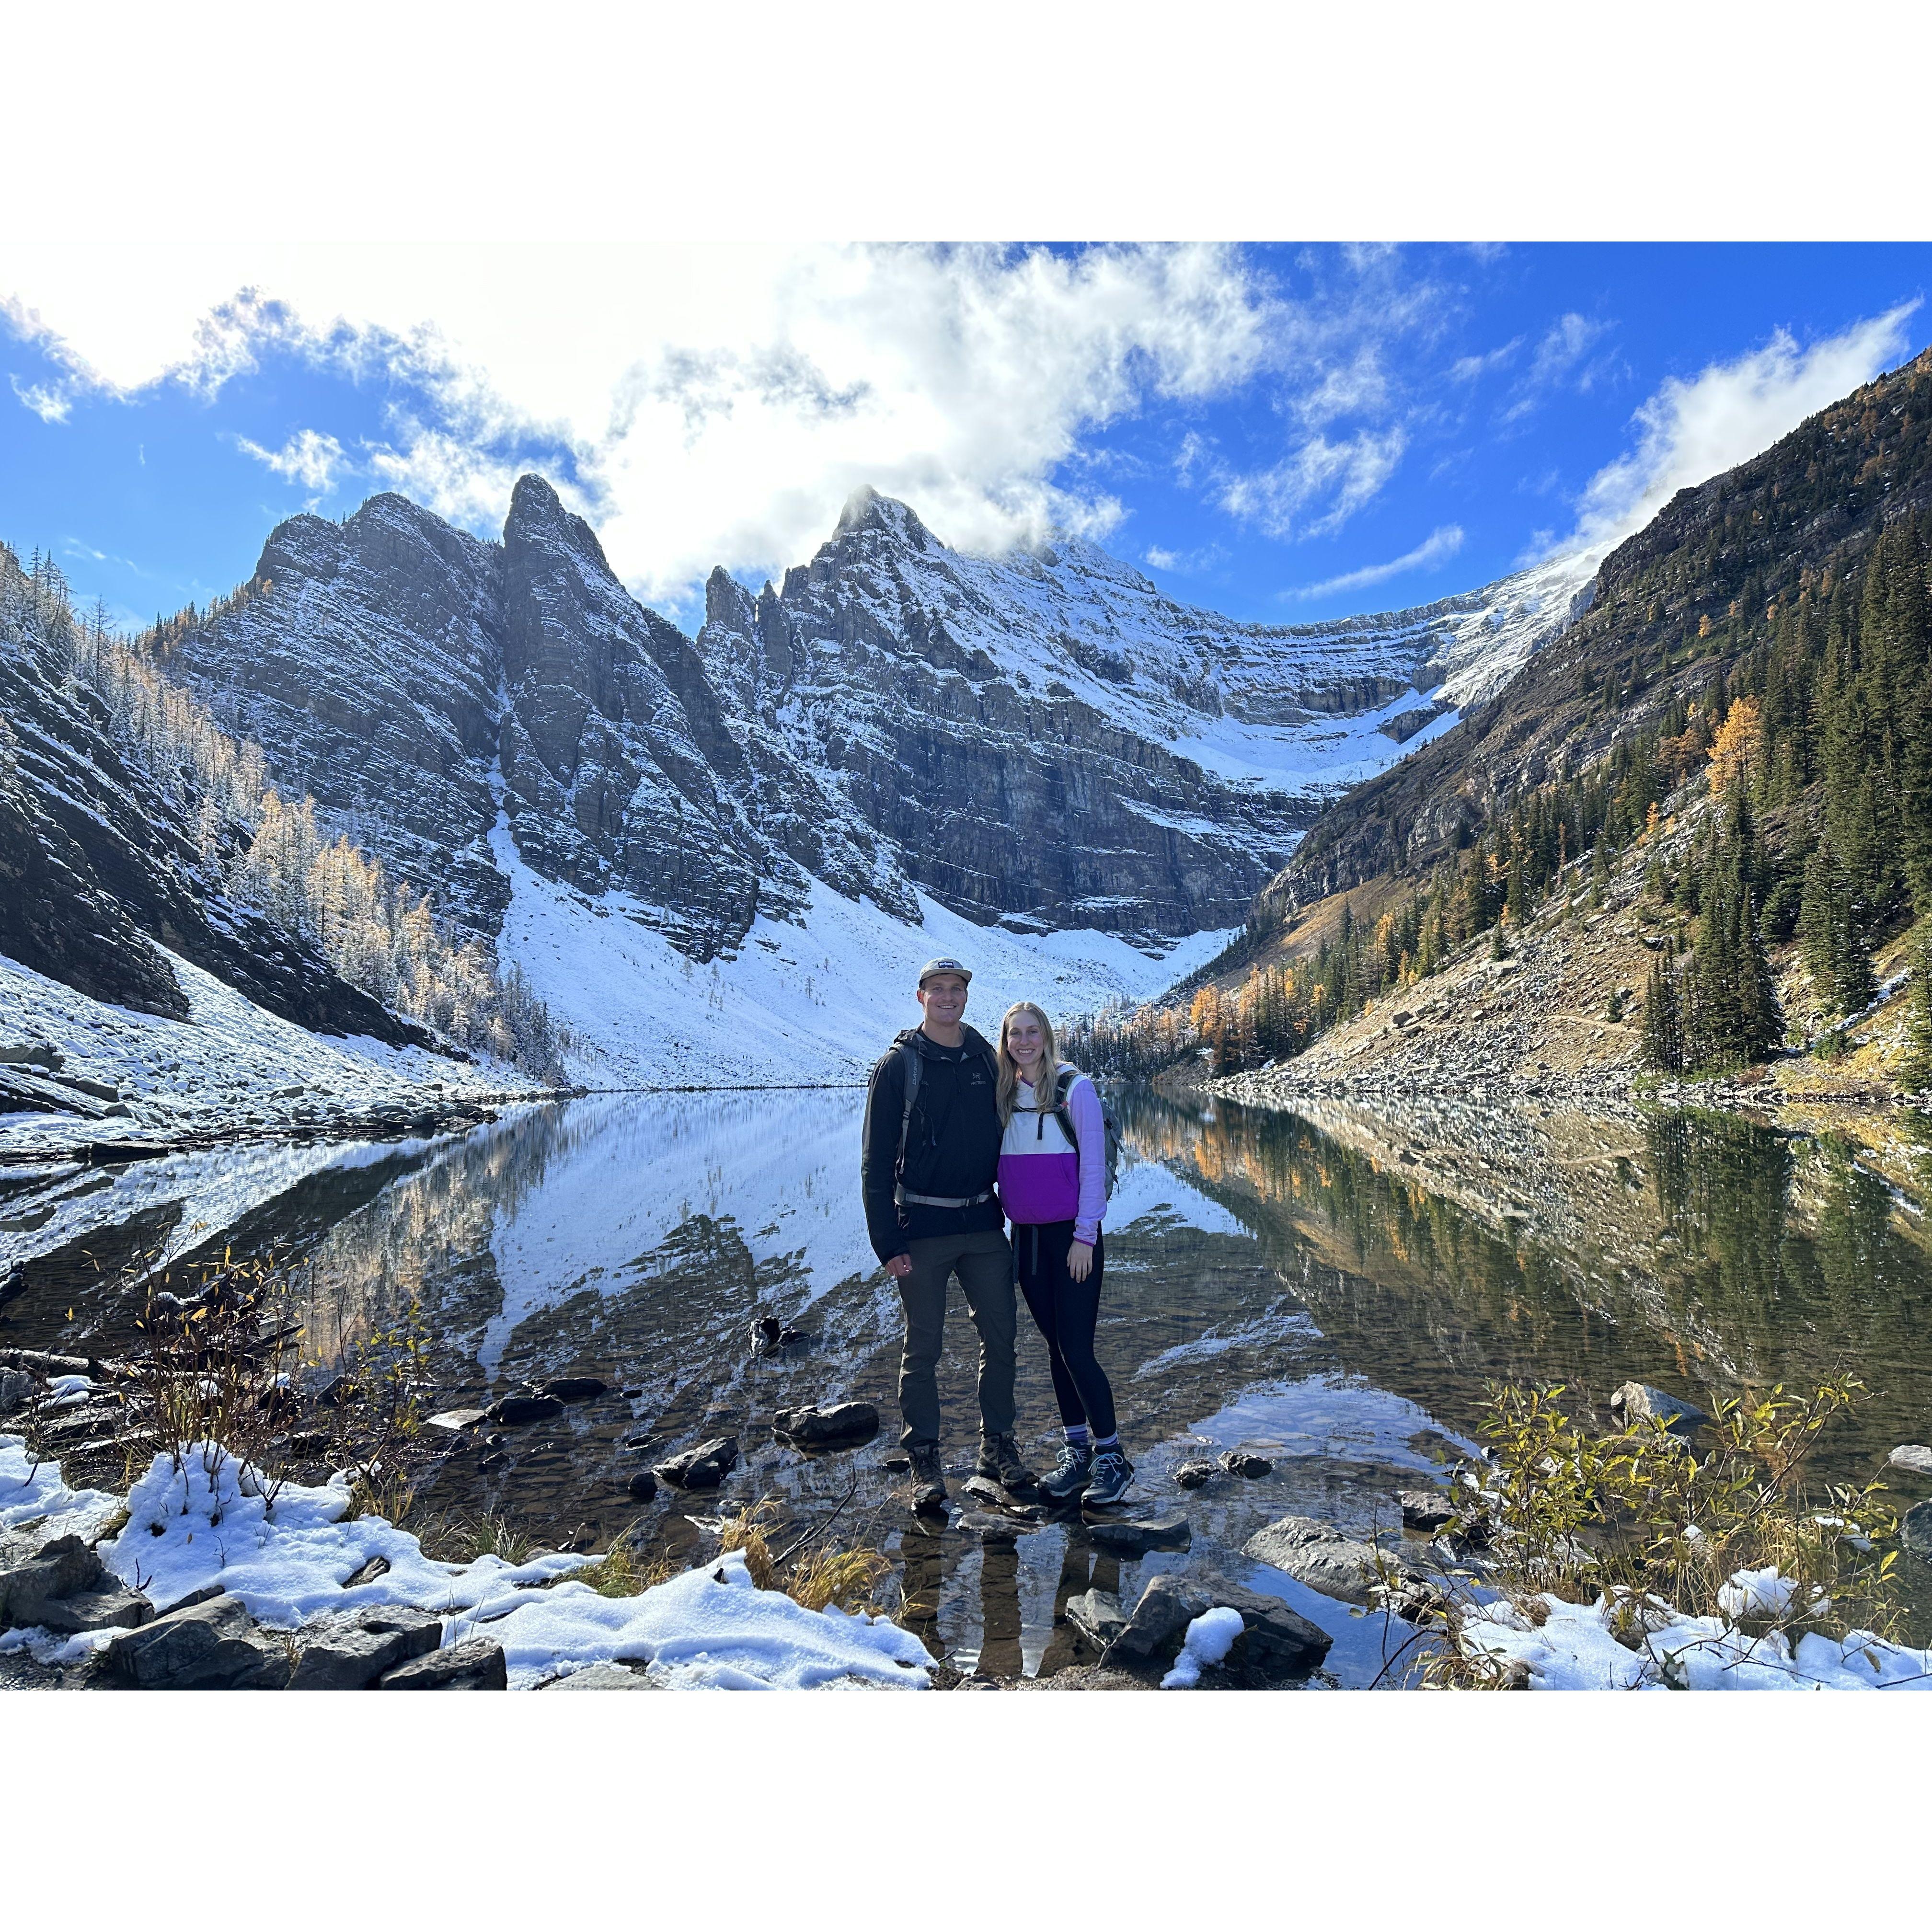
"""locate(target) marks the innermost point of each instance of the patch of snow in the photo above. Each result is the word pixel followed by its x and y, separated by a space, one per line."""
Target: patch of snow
pixel 29 1490
pixel 1210 1637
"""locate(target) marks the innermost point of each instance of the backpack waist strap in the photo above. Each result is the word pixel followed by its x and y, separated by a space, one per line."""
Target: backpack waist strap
pixel 909 1200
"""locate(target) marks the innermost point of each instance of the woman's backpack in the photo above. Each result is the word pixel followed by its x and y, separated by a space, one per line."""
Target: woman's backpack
pixel 1063 1113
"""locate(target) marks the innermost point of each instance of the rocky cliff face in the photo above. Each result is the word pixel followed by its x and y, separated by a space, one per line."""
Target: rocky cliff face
pixel 97 862
pixel 1042 740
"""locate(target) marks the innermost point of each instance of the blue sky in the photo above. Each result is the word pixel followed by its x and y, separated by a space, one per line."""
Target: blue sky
pixel 1284 433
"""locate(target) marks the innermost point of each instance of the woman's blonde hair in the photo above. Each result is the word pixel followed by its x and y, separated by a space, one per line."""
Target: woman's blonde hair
pixel 1009 1071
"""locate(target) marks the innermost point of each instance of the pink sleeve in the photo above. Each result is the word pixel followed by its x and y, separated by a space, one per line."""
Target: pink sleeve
pixel 1090 1128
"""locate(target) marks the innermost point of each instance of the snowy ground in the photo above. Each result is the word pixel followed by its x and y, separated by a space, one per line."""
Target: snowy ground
pixel 800 1005
pixel 229 1066
pixel 208 1523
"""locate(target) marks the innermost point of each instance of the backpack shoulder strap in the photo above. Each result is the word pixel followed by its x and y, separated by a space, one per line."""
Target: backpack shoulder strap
pixel 909 1062
pixel 1062 1088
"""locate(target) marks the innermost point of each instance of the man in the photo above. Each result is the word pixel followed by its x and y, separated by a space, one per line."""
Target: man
pixel 928 1170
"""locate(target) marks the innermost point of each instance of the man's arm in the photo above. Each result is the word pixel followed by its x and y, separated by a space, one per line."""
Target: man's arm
pixel 878 1159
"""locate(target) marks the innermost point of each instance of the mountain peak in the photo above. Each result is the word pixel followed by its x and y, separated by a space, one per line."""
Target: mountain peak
pixel 865 509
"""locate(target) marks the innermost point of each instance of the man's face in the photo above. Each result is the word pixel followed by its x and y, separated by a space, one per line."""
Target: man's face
pixel 944 996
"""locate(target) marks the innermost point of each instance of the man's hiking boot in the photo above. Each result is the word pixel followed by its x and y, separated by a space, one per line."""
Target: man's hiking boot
pixel 1068 1476
pixel 1109 1479
pixel 1000 1459
pixel 928 1479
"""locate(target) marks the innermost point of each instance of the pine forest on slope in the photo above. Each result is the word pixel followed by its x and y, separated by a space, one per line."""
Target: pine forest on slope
pixel 1734 743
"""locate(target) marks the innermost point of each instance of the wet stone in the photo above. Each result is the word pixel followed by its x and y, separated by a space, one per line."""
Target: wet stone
pixel 1246 1462
pixel 1320 1556
pixel 835 1424
pixel 1914 1456
pixel 573 1388
pixel 1190 1475
pixel 456 1419
pixel 1134 1536
pixel 642 1487
pixel 1426 1510
pixel 1914 1532
pixel 1097 1615
pixel 703 1467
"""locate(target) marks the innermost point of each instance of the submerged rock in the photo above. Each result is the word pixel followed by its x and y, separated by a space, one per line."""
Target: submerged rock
pixel 455 1420
pixel 519 1411
pixel 1191 1475
pixel 573 1388
pixel 1246 1462
pixel 644 1486
pixel 1915 1530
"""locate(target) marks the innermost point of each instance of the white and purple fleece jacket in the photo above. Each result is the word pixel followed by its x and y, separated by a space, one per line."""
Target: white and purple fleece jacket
pixel 1041 1178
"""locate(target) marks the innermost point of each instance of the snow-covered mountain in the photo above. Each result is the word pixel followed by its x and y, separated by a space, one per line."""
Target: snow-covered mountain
pixel 1039 754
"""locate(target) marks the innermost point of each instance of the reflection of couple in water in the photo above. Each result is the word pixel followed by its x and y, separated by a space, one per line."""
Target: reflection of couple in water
pixel 961 1137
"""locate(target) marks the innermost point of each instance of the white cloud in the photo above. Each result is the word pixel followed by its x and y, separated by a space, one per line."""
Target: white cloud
pixel 1437 548
pixel 1563 347
pixel 51 405
pixel 718 403
pixel 1337 476
pixel 1467 368
pixel 1690 431
pixel 308 458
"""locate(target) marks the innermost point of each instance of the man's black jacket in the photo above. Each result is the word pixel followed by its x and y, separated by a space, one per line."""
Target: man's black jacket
pixel 953 1146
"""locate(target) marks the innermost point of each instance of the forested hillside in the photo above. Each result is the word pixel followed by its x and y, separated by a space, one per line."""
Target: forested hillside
pixel 1758 664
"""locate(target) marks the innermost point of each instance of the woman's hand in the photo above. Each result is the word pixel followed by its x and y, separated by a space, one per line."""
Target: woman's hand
pixel 1080 1261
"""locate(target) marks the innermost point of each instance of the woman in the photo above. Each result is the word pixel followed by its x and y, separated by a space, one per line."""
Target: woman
pixel 1055 1192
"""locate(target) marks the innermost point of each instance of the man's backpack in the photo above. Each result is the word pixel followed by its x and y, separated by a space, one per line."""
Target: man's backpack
pixel 910 1066
pixel 1063 1114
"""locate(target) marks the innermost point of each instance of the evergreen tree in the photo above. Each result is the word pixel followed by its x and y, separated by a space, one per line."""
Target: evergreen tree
pixel 1914 1071
pixel 1662 1021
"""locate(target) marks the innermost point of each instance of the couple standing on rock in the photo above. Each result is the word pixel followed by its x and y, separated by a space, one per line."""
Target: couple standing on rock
pixel 960 1138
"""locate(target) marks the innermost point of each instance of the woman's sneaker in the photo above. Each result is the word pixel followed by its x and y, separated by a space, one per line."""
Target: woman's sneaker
pixel 1109 1479
pixel 1068 1476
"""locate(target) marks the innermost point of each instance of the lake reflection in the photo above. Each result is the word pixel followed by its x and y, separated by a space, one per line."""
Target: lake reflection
pixel 1337 1286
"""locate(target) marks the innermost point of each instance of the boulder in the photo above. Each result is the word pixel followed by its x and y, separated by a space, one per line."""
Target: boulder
pixel 1426 1510
pixel 1191 1475
pixel 64 1568
pixel 213 1646
pixel 837 1423
pixel 573 1388
pixel 1097 1615
pixel 644 1486
pixel 1914 1532
pixel 95 1610
pixel 1134 1536
pixel 703 1467
pixel 1913 1455
pixel 474 1664
pixel 1320 1556
pixel 1639 1402
pixel 519 1411
pixel 1277 1642
pixel 1246 1462
pixel 348 1650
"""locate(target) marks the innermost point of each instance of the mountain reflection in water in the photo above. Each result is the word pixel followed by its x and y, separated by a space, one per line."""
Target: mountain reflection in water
pixel 1338 1286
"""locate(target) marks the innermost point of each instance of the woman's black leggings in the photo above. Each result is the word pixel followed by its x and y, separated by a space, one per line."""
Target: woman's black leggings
pixel 1065 1310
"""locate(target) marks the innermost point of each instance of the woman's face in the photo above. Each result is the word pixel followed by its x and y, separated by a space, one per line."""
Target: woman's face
pixel 1024 1041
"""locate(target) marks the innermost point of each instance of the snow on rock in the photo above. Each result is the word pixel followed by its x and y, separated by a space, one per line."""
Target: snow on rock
pixel 710 1629
pixel 230 1063
pixel 1764 1593
pixel 1210 1637
pixel 1573 1649
pixel 209 1521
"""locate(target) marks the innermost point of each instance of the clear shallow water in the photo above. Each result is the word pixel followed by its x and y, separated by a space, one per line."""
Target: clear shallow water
pixel 1336 1287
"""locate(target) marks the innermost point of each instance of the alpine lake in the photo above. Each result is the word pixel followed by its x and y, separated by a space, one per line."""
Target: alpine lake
pixel 1336 1288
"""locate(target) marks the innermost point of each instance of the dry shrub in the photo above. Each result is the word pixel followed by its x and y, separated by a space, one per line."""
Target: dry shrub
pixel 846 1577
